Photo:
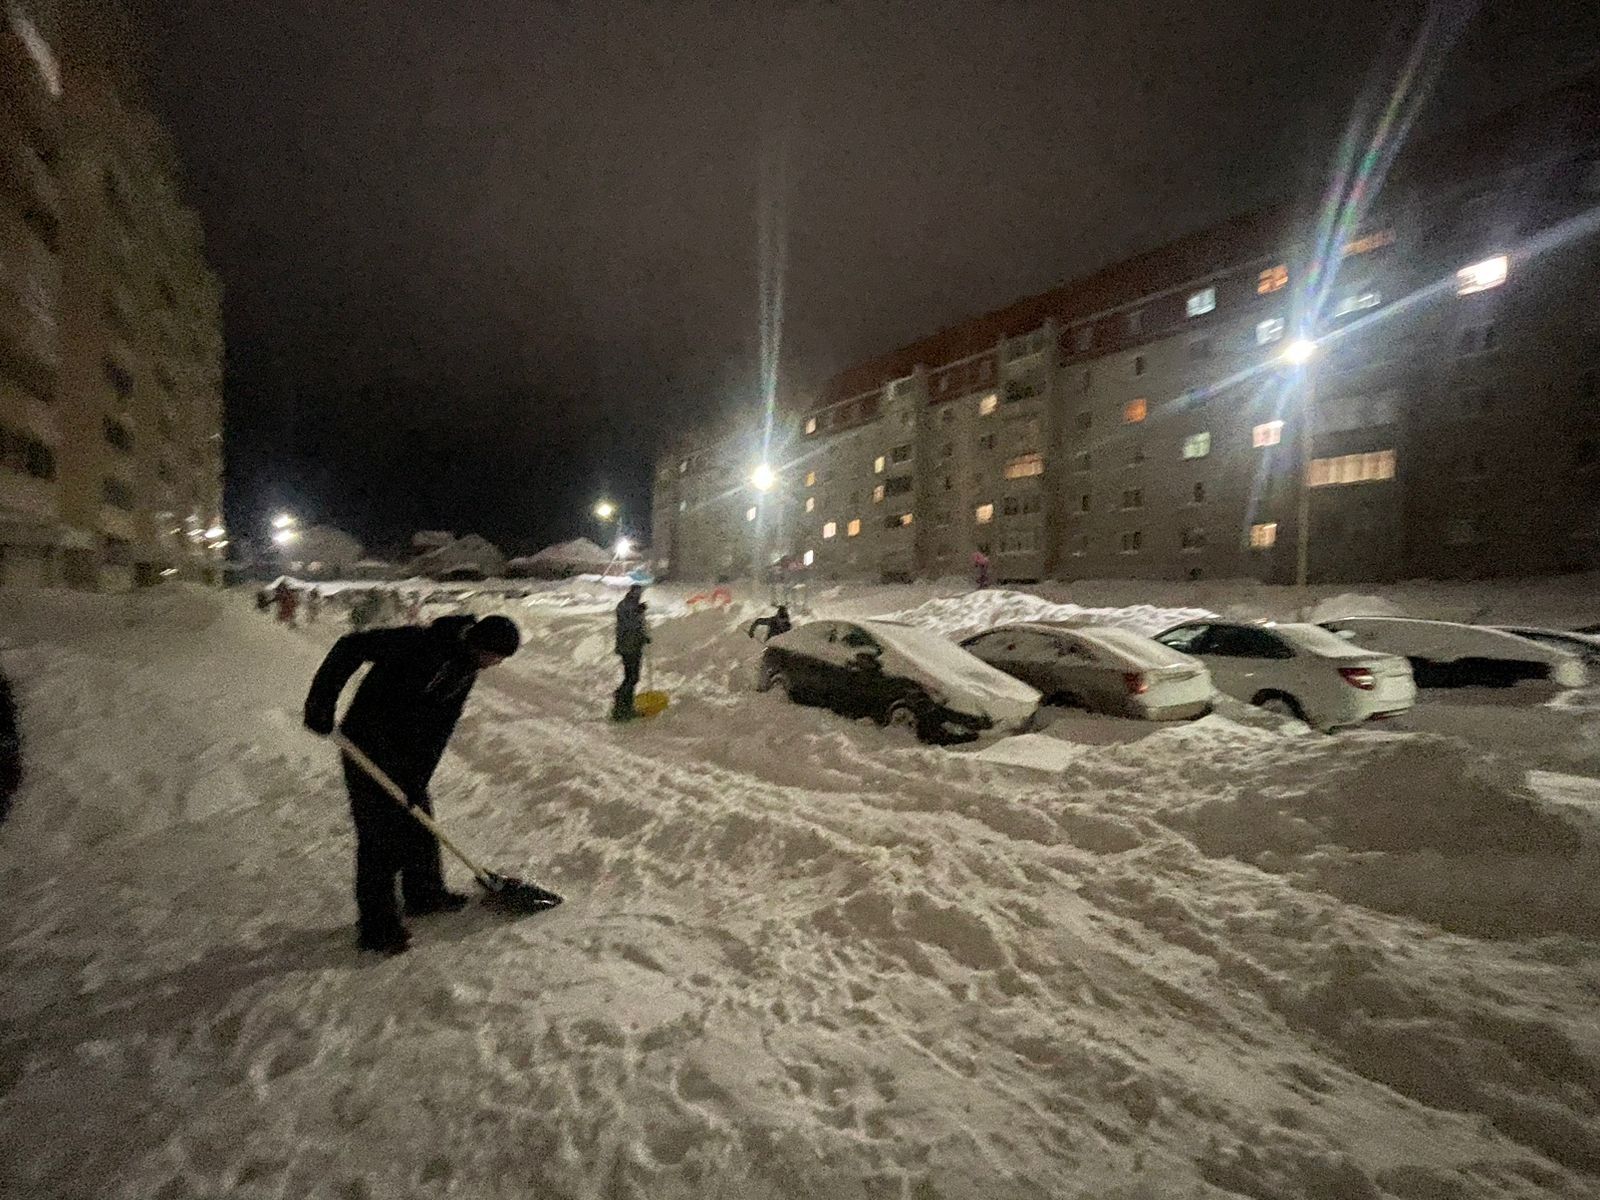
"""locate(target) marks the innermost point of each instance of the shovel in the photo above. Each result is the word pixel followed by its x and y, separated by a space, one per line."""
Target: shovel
pixel 500 891
pixel 650 703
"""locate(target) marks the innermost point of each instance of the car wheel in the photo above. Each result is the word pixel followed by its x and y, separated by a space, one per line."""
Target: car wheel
pixel 1066 700
pixel 908 713
pixel 1280 705
pixel 778 681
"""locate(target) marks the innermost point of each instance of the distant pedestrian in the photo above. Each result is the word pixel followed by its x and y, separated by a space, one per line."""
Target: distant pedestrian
pixel 10 748
pixel 402 716
pixel 263 600
pixel 313 605
pixel 980 568
pixel 288 603
pixel 774 625
pixel 632 638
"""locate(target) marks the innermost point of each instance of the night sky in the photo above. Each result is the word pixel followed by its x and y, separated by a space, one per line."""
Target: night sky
pixel 479 254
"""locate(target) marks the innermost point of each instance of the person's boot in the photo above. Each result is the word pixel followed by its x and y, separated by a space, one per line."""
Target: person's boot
pixel 389 942
pixel 444 902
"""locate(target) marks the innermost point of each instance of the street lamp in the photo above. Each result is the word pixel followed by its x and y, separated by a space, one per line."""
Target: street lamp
pixel 1301 354
pixel 763 478
pixel 284 521
pixel 605 510
pixel 624 547
pixel 285 535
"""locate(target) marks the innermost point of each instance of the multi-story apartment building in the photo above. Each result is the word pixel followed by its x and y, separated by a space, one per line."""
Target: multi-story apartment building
pixel 111 370
pixel 1147 421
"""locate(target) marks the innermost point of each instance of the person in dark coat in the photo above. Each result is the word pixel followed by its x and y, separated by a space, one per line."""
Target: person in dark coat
pixel 631 641
pixel 777 623
pixel 10 748
pixel 402 716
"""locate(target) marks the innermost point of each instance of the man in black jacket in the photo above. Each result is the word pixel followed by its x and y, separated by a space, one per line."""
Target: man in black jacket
pixel 403 715
pixel 631 641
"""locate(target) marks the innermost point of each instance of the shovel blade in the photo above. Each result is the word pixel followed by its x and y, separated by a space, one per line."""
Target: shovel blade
pixel 515 895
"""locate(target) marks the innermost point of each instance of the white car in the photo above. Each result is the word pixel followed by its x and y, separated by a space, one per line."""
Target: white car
pixel 1585 645
pixel 1099 667
pixel 897 674
pixel 1448 654
pixel 1299 670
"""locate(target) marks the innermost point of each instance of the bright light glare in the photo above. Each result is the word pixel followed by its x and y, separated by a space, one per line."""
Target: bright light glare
pixel 1299 352
pixel 215 532
pixel 1481 276
pixel 624 547
pixel 605 510
pixel 282 521
pixel 763 477
pixel 284 536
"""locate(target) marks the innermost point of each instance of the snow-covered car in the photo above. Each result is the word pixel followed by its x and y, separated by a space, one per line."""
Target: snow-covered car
pixel 898 675
pixel 1447 654
pixel 1100 667
pixel 1298 670
pixel 1585 645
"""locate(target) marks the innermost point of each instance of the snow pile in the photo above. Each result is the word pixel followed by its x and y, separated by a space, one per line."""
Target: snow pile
pixel 957 616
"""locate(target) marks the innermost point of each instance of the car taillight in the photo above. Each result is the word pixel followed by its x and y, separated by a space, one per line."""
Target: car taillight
pixel 1358 677
pixel 1136 683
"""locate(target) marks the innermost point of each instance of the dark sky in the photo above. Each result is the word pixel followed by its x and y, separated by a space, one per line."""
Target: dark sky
pixel 479 254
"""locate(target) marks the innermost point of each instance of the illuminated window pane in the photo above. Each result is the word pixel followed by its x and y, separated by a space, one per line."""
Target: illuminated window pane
pixel 1024 466
pixel 1135 411
pixel 831 529
pixel 877 494
pixel 1356 303
pixel 853 528
pixel 878 464
pixel 811 479
pixel 1272 279
pixel 988 404
pixel 1368 243
pixel 905 518
pixel 1264 536
pixel 1371 467
pixel 1269 331
pixel 1201 302
pixel 809 557
pixel 750 514
pixel 811 424
pixel 1268 434
pixel 1481 276
pixel 1197 445
pixel 983 514
pixel 811 503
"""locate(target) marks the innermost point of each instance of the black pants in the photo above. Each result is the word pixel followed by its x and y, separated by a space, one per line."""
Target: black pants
pixel 622 698
pixel 389 842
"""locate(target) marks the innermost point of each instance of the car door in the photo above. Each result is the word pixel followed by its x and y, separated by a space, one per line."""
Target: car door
pixel 864 687
pixel 1070 669
pixel 1245 661
pixel 803 658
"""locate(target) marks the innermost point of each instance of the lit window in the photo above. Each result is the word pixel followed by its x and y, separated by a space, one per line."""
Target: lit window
pixel 1269 331
pixel 1264 536
pixel 1135 411
pixel 831 529
pixel 1197 445
pixel 987 404
pixel 877 494
pixel 683 467
pixel 809 557
pixel 983 514
pixel 1357 302
pixel 811 479
pixel 1268 434
pixel 1481 276
pixel 1272 279
pixel 683 506
pixel 903 520
pixel 853 528
pixel 1025 466
pixel 1369 242
pixel 1201 302
pixel 811 424
pixel 750 514
pixel 811 503
pixel 878 464
pixel 1371 467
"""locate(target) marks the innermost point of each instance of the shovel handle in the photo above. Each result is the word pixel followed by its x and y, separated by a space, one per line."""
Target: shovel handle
pixel 396 793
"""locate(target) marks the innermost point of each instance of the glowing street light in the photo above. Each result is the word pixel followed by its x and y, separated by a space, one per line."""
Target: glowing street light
pixel 605 510
pixel 283 521
pixel 764 478
pixel 624 547
pixel 1299 352
pixel 285 535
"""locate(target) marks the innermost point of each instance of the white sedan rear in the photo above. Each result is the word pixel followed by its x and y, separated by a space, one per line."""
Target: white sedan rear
pixel 1101 668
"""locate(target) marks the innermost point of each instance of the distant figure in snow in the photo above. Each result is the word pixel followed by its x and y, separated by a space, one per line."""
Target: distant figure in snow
pixel 10 748
pixel 288 603
pixel 777 623
pixel 403 715
pixel 263 600
pixel 980 568
pixel 631 641
pixel 367 611
pixel 313 605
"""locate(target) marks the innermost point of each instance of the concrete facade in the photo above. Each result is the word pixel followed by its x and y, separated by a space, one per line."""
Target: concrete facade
pixel 124 383
pixel 1144 423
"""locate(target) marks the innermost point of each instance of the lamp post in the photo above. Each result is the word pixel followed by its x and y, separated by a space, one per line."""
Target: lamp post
pixel 1301 354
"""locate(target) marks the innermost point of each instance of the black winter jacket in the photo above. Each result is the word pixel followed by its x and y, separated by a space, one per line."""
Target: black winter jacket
pixel 631 635
pixel 406 708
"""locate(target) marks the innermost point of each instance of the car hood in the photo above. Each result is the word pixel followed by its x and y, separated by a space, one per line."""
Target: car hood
pixel 967 684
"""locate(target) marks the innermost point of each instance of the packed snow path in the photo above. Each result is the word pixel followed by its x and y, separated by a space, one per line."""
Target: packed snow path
pixel 800 957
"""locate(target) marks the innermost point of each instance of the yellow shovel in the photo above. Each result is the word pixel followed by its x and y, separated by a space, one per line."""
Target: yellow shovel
pixel 650 703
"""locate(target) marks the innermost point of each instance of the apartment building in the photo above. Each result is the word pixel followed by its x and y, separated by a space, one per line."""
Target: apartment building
pixel 1146 421
pixel 112 472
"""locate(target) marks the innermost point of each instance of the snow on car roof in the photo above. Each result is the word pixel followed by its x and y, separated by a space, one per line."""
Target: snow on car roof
pixel 941 658
pixel 1135 649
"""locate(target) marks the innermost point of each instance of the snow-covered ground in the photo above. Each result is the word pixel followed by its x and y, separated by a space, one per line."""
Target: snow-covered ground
pixel 800 957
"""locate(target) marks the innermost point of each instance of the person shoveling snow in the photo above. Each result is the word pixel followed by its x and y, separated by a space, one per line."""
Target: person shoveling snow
pixel 401 719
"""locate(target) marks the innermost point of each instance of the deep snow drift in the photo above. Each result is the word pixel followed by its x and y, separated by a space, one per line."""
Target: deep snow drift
pixel 800 956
